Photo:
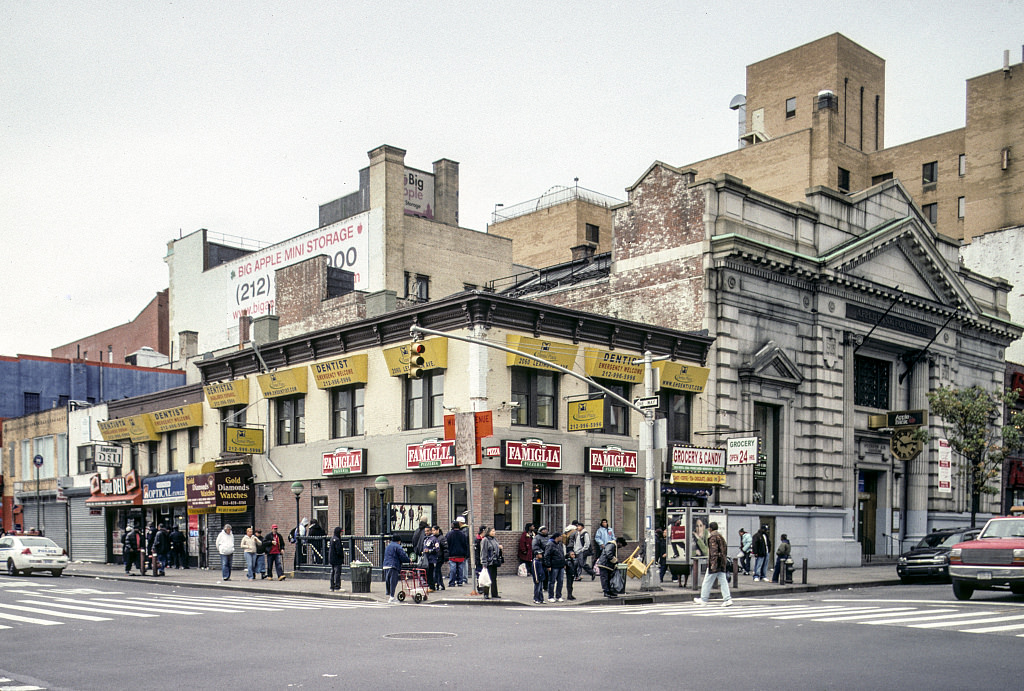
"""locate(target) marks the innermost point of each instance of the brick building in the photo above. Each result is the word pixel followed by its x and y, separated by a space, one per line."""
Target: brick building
pixel 148 330
pixel 338 408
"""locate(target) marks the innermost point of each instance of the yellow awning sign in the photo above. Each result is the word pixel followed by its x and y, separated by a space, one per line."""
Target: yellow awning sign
pixel 182 417
pixel 140 428
pixel 243 440
pixel 283 383
pixel 584 415
pixel 435 356
pixel 227 393
pixel 113 430
pixel 683 377
pixel 607 364
pixel 562 354
pixel 341 372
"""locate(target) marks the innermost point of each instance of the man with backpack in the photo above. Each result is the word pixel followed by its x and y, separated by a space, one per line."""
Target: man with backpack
pixel 582 547
pixel 717 568
pixel 161 550
pixel 762 548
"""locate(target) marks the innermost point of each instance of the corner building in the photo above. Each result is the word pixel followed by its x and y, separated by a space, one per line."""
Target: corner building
pixel 339 409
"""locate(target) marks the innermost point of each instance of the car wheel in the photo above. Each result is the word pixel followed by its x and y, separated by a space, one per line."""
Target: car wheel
pixel 11 571
pixel 961 590
pixel 904 580
pixel 56 573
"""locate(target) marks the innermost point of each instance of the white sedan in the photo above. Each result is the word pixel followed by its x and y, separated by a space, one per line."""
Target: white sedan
pixel 25 554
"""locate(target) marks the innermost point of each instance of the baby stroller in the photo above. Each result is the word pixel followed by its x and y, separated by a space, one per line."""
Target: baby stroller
pixel 414 585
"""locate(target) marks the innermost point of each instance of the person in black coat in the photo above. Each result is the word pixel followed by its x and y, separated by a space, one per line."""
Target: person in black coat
pixel 458 552
pixel 162 549
pixel 179 550
pixel 336 558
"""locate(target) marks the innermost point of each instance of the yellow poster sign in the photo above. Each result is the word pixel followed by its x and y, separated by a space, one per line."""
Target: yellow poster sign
pixel 683 377
pixel 562 354
pixel 182 417
pixel 340 372
pixel 435 356
pixel 283 383
pixel 243 440
pixel 584 415
pixel 113 430
pixel 606 364
pixel 227 393
pixel 698 478
pixel 140 428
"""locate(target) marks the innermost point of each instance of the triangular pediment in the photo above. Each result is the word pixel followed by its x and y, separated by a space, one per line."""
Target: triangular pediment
pixel 771 363
pixel 903 253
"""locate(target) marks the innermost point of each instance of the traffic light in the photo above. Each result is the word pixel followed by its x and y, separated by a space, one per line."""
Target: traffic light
pixel 416 360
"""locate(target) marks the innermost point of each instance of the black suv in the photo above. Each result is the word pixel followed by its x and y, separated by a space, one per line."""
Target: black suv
pixel 930 557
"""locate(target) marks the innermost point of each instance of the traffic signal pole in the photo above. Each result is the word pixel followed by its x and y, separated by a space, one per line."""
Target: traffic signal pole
pixel 647 582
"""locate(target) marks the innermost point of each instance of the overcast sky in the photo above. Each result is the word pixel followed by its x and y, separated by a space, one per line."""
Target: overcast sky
pixel 123 124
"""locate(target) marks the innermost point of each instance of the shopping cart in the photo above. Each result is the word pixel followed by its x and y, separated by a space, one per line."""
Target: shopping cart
pixel 414 585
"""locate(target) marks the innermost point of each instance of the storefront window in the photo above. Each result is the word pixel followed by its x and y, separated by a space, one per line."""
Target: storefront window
pixel 616 414
pixel 675 408
pixel 630 526
pixel 575 506
pixel 347 411
pixel 421 494
pixel 373 524
pixel 42 446
pixel 607 507
pixel 508 506
pixel 536 393
pixel 172 451
pixel 152 448
pixel 193 445
pixel 457 504
pixel 423 399
pixel 291 420
pixel 62 454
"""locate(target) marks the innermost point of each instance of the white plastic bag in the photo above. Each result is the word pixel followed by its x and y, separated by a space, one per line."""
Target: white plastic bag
pixel 484 579
pixel 523 573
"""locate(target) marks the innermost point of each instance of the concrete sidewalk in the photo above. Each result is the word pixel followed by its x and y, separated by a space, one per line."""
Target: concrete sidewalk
pixel 512 589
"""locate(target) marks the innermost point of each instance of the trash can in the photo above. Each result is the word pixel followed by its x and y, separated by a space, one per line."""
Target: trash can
pixel 360 574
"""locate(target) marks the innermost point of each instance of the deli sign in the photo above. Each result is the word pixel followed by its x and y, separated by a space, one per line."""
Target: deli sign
pixel 430 454
pixel 611 460
pixel 531 453
pixel 345 462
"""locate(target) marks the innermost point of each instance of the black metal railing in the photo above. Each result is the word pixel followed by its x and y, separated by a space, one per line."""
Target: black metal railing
pixel 311 553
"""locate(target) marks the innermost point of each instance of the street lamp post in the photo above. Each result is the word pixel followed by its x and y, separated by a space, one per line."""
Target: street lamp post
pixel 382 485
pixel 297 488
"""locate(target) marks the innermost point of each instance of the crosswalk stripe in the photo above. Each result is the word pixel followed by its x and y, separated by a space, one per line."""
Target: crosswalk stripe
pixel 66 615
pixel 992 629
pixel 741 614
pixel 863 611
pixel 29 620
pixel 68 603
pixel 122 604
pixel 940 624
pixel 148 602
pixel 879 612
pixel 944 614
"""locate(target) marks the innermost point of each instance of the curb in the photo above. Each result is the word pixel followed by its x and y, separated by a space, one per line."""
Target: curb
pixel 635 598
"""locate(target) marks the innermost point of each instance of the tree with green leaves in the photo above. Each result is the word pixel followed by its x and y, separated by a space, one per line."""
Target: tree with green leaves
pixel 975 429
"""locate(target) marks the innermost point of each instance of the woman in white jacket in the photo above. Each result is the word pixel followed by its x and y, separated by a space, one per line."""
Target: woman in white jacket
pixel 226 547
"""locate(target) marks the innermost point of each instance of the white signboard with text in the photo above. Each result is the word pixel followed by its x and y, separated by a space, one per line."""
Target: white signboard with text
pixel 252 285
pixel 741 451
pixel 945 467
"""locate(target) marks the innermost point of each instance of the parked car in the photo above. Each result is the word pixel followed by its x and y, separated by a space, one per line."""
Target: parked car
pixel 994 560
pixel 25 554
pixel 929 558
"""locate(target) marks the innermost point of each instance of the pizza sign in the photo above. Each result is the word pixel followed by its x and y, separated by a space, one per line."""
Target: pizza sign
pixel 532 453
pixel 611 460
pixel 344 462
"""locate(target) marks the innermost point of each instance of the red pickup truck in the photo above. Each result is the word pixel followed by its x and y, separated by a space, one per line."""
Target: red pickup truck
pixel 994 559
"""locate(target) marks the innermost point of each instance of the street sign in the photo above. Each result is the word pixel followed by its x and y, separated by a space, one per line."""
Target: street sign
pixel 38 460
pixel 647 403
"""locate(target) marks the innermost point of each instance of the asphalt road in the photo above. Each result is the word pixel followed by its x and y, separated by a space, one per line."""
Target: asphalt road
pixel 88 634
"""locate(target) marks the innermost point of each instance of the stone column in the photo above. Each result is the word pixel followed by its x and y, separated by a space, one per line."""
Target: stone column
pixel 446 191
